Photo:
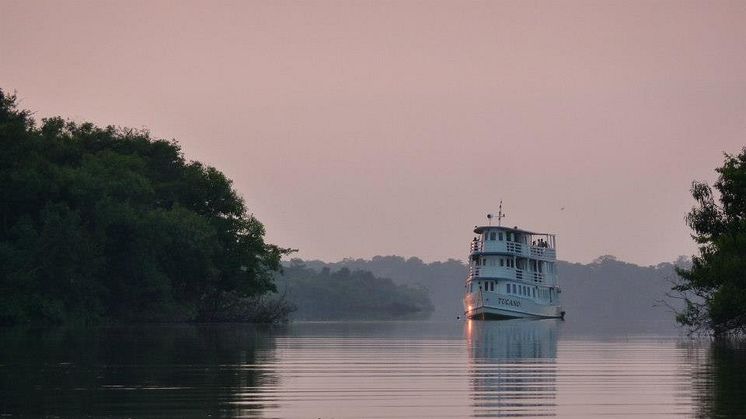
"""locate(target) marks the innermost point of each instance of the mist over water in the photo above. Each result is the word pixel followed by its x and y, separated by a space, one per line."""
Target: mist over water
pixel 367 369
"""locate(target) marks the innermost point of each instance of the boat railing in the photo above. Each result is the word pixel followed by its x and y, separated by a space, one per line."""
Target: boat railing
pixel 506 273
pixel 514 247
pixel 542 252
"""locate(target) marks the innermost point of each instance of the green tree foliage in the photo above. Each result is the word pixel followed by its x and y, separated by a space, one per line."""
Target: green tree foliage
pixel 714 288
pixel 110 224
pixel 344 294
pixel 443 281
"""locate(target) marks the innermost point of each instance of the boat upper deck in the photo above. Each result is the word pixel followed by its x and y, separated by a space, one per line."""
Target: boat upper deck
pixel 514 241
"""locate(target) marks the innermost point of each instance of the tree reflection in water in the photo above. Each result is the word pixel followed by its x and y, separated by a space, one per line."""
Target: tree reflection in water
pixel 512 367
pixel 721 380
pixel 173 370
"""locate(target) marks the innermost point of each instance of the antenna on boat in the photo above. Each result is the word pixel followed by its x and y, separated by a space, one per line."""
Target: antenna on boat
pixel 500 215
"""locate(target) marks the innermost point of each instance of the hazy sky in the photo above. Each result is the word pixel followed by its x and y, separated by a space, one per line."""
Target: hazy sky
pixel 357 128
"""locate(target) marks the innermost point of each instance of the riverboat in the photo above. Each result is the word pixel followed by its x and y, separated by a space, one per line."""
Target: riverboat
pixel 512 274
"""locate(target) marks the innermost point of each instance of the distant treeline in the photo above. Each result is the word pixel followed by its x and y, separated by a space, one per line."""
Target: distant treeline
pixel 604 294
pixel 323 294
pixel 108 224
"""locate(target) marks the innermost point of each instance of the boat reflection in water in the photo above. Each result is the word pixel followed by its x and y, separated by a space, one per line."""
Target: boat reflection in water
pixel 512 366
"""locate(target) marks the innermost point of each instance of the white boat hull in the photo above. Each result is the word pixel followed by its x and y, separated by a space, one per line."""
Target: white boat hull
pixel 490 305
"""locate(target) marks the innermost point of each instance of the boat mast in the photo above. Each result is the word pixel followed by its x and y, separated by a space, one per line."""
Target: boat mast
pixel 500 214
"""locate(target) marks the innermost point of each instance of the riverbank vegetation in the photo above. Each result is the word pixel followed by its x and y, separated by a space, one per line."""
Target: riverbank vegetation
pixel 109 224
pixel 324 294
pixel 714 288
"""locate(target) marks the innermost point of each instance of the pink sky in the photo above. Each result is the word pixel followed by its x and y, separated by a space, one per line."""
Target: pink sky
pixel 357 128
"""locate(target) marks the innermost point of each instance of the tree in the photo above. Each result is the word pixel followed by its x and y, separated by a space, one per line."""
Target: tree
pixel 714 288
pixel 322 294
pixel 111 224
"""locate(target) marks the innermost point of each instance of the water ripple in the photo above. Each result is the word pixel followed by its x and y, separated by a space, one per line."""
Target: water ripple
pixel 377 370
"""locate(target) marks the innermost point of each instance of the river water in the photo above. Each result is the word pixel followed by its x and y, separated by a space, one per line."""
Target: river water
pixel 450 369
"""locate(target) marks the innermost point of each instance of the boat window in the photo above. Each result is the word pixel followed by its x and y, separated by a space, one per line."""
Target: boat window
pixel 500 236
pixel 507 288
pixel 492 236
pixel 502 262
pixel 514 291
pixel 492 286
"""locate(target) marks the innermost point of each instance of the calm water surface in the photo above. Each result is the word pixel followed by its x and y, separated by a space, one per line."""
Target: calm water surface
pixel 367 369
